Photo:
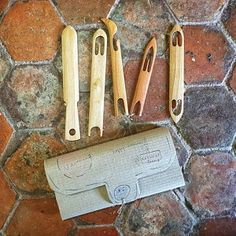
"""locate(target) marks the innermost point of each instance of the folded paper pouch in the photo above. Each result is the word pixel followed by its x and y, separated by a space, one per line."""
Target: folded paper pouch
pixel 114 173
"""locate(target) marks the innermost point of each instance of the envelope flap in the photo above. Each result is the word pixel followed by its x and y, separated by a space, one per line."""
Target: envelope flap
pixel 118 165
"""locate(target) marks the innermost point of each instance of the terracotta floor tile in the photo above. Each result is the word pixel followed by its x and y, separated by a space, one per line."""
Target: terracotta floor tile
pixel 148 18
pixel 5 132
pixel 98 231
pixel 218 227
pixel 156 104
pixel 31 30
pixel 7 196
pixel 207 55
pixel 209 118
pixel 33 96
pixel 211 185
pixel 76 12
pixel 191 10
pixel 38 217
pixel 25 166
pixel 160 214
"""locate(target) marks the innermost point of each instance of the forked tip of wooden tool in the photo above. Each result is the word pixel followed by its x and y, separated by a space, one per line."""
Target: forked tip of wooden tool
pixel 110 24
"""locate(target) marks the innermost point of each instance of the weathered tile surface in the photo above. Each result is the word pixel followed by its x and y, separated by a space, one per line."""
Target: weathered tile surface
pixel 156 104
pixel 147 16
pixel 25 167
pixel 38 217
pixel 99 231
pixel 207 55
pixel 209 118
pixel 211 183
pixel 229 19
pixel 77 12
pixel 31 30
pixel 33 96
pixel 7 196
pixel 190 10
pixel 101 217
pixel 6 131
pixel 5 65
pixel 218 227
pixel 232 81
pixel 160 214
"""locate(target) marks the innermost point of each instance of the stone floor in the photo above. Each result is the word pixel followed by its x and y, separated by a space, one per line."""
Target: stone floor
pixel 32 113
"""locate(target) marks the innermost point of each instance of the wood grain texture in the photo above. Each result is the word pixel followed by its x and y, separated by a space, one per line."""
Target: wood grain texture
pixel 97 86
pixel 117 69
pixel 145 73
pixel 70 82
pixel 176 80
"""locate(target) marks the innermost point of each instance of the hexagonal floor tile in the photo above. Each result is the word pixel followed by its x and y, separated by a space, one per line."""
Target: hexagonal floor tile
pixel 211 184
pixel 207 55
pixel 33 96
pixel 191 10
pixel 151 17
pixel 31 30
pixel 38 217
pixel 7 196
pixel 161 214
pixel 25 166
pixel 209 118
pixel 156 104
pixel 229 19
pixel 76 12
pixel 6 131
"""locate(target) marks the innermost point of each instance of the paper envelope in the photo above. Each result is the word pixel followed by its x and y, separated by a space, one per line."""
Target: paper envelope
pixel 113 173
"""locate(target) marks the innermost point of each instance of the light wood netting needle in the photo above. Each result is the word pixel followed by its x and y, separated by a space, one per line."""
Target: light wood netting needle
pixel 97 86
pixel 120 97
pixel 144 77
pixel 70 82
pixel 176 80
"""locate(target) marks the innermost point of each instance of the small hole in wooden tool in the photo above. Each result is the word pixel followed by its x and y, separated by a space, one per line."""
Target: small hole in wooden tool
pixel 137 108
pixel 72 132
pixel 176 107
pixel 95 131
pixel 148 60
pixel 177 39
pixel 115 46
pixel 99 45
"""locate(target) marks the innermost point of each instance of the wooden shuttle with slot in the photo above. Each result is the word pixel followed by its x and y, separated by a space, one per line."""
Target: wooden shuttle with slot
pixel 176 83
pixel 97 86
pixel 144 78
pixel 120 97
